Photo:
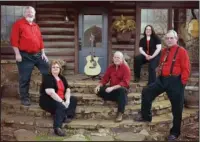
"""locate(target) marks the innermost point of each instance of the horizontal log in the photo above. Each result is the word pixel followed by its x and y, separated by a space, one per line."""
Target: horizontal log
pixel 58 33
pixel 114 41
pixel 7 50
pixel 60 53
pixel 55 5
pixel 56 29
pixel 133 17
pixel 124 10
pixel 59 46
pixel 123 13
pixel 122 5
pixel 59 39
pixel 52 12
pixel 38 9
pixel 51 18
pixel 55 22
pixel 60 25
pixel 68 59
pixel 9 57
pixel 123 47
pixel 58 36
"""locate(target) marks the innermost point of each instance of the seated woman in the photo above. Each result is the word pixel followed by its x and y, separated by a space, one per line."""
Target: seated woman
pixel 55 97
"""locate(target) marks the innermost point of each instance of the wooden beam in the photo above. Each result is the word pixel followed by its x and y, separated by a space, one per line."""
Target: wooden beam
pixel 57 32
pixel 76 43
pixel 138 27
pixel 169 18
pixel 109 35
pixel 168 4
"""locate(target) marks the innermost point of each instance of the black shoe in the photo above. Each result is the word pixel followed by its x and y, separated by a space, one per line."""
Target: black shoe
pixel 26 102
pixel 59 132
pixel 172 138
pixel 67 120
pixel 139 118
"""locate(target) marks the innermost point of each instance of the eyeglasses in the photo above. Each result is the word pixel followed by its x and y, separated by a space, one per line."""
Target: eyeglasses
pixel 55 67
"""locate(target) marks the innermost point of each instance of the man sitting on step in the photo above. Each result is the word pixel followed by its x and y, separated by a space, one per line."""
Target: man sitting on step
pixel 173 74
pixel 119 75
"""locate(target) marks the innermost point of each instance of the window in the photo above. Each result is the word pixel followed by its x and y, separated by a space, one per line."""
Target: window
pixel 186 23
pixel 158 18
pixel 93 25
pixel 9 14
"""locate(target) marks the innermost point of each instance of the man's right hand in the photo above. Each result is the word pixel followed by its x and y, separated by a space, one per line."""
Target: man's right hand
pixel 96 90
pixel 18 57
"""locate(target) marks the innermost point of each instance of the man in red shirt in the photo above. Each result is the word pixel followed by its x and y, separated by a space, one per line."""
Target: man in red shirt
pixel 27 43
pixel 119 75
pixel 174 72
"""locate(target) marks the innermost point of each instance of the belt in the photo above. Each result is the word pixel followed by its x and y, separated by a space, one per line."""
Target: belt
pixel 32 53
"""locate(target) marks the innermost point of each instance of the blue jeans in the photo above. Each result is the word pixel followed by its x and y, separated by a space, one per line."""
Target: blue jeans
pixel 25 68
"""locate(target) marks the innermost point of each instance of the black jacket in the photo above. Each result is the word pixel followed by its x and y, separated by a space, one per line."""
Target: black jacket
pixel 49 81
pixel 152 44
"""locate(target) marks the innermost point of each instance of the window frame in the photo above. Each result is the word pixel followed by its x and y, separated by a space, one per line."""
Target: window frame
pixel 160 5
pixel 7 52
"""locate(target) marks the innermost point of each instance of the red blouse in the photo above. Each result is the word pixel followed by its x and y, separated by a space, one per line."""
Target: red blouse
pixel 148 47
pixel 61 88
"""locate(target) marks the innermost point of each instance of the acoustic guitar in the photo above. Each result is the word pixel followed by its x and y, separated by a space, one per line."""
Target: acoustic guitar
pixel 92 67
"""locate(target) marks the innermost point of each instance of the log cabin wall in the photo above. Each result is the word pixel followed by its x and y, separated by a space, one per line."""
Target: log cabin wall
pixel 128 9
pixel 58 34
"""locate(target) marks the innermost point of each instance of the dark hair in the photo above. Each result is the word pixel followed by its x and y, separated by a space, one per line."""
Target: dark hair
pixel 153 34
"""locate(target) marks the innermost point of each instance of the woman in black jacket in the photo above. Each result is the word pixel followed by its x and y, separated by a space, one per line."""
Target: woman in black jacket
pixel 55 97
pixel 149 47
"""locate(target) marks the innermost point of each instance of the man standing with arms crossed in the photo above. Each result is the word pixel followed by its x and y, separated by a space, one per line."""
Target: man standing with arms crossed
pixel 27 43
pixel 174 72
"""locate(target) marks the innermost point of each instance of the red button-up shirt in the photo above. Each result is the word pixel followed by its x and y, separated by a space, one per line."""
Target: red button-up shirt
pixel 26 37
pixel 181 65
pixel 120 76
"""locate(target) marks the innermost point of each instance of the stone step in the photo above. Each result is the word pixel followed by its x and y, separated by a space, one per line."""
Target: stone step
pixel 46 124
pixel 12 105
pixel 93 99
pixel 87 86
pixel 79 85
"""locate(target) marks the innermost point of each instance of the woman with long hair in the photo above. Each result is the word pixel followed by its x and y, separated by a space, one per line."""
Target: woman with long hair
pixel 149 47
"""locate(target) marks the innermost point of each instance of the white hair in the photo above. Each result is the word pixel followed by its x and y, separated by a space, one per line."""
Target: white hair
pixel 174 32
pixel 28 7
pixel 121 55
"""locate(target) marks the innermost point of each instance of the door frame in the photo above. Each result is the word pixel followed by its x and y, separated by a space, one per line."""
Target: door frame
pixel 94 10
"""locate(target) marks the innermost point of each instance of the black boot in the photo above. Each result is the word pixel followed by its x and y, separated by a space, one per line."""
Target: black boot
pixel 59 132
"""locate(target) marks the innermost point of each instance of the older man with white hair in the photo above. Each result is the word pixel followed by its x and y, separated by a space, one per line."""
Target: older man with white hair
pixel 173 74
pixel 27 43
pixel 118 75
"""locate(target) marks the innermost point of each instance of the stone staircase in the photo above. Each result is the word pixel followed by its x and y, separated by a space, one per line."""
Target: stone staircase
pixel 92 112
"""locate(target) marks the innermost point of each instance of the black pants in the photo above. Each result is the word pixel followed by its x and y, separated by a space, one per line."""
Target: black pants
pixel 175 90
pixel 119 95
pixel 58 109
pixel 153 63
pixel 25 68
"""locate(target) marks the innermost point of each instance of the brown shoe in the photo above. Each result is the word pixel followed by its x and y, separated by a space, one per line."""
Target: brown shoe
pixel 119 117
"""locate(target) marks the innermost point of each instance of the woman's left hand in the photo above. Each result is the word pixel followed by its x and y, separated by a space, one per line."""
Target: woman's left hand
pixel 66 104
